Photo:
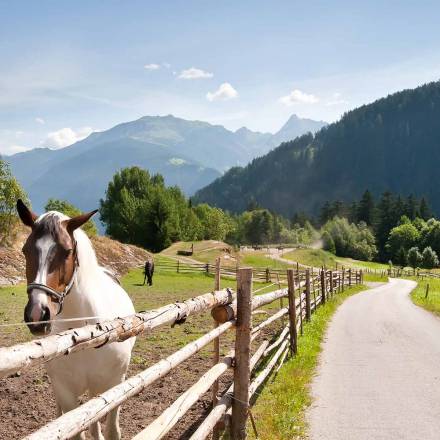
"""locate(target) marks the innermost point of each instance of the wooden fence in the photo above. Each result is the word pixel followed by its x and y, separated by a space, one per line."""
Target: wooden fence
pixel 305 290
pixel 260 274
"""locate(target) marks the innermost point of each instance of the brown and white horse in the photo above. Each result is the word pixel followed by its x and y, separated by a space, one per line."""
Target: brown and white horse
pixel 64 282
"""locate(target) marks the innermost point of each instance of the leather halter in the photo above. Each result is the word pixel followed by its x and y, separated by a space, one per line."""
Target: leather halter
pixel 59 297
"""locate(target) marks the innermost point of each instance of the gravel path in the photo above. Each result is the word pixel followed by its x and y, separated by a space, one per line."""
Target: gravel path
pixel 379 373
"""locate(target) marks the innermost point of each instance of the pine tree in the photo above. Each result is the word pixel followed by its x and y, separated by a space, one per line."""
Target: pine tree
pixel 366 209
pixel 424 210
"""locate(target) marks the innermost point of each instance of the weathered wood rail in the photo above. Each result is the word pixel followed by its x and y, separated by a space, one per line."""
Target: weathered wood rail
pixel 306 290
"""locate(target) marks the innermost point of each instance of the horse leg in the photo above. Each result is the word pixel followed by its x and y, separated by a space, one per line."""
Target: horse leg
pixel 66 401
pixel 95 431
pixel 112 430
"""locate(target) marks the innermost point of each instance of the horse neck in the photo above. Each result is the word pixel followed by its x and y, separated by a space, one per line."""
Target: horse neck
pixel 82 299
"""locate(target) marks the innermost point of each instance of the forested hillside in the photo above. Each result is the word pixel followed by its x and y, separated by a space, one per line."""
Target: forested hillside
pixel 392 145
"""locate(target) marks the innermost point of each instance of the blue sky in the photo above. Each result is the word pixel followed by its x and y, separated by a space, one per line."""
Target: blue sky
pixel 69 67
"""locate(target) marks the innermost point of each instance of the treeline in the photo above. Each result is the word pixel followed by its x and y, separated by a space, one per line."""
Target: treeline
pixel 140 209
pixel 394 228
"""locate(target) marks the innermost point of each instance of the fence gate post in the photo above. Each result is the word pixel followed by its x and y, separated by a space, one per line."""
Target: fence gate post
pixel 323 286
pixel 292 313
pixel 308 308
pixel 240 402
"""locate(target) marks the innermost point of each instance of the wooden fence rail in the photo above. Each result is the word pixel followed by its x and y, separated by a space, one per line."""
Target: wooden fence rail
pixel 306 291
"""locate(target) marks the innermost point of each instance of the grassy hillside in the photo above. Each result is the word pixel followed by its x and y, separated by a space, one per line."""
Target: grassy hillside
pixel 206 251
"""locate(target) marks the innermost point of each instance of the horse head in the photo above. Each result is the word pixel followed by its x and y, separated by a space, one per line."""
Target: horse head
pixel 51 261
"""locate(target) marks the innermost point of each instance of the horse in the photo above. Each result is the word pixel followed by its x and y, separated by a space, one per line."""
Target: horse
pixel 149 271
pixel 65 281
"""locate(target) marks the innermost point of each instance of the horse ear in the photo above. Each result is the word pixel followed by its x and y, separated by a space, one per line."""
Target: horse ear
pixel 79 220
pixel 25 214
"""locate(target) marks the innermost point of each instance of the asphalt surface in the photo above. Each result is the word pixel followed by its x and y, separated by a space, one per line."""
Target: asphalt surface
pixel 379 372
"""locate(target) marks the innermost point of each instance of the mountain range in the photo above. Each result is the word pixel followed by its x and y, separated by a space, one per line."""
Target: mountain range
pixel 392 144
pixel 190 154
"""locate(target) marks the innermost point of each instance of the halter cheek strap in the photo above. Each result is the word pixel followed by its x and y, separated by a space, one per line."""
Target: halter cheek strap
pixel 59 297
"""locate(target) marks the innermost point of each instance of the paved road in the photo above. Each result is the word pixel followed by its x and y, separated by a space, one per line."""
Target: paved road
pixel 379 374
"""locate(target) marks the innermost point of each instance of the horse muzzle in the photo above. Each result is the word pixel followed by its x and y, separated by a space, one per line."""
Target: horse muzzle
pixel 36 312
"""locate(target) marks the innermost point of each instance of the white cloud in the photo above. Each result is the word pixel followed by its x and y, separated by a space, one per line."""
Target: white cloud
pixel 152 66
pixel 297 96
pixel 65 136
pixel 223 93
pixel 166 65
pixel 13 149
pixel 40 121
pixel 194 73
pixel 336 100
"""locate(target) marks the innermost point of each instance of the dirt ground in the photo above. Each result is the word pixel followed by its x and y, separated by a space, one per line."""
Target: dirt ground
pixel 27 401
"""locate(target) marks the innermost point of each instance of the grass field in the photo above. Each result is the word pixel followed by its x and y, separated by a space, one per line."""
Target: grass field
pixel 319 257
pixel 259 259
pixel 204 251
pixel 280 408
pixel 432 302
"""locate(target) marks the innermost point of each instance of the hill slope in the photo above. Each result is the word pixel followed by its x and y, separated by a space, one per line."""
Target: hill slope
pixel 190 154
pixel 392 144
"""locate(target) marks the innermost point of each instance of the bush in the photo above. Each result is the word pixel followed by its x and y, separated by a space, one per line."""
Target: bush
pixel 429 258
pixel 414 257
pixel 349 240
pixel 327 242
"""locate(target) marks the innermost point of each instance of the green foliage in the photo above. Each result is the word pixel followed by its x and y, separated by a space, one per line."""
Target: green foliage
pixel 350 240
pixel 366 209
pixel 70 210
pixel 429 258
pixel 403 237
pixel 430 235
pixel 414 257
pixel 401 257
pixel 328 242
pixel 10 192
pixel 140 209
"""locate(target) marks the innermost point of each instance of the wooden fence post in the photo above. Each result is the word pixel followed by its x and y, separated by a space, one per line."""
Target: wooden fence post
pixel 323 287
pixel 240 403
pixel 216 350
pixel 331 283
pixel 349 277
pixel 343 279
pixel 292 313
pixel 207 268
pixel 178 266
pixel 267 275
pixel 308 308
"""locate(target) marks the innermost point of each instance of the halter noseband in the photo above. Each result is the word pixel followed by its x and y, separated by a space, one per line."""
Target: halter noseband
pixel 58 296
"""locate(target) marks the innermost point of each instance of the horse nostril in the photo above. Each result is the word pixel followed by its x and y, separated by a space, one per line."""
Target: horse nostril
pixel 45 316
